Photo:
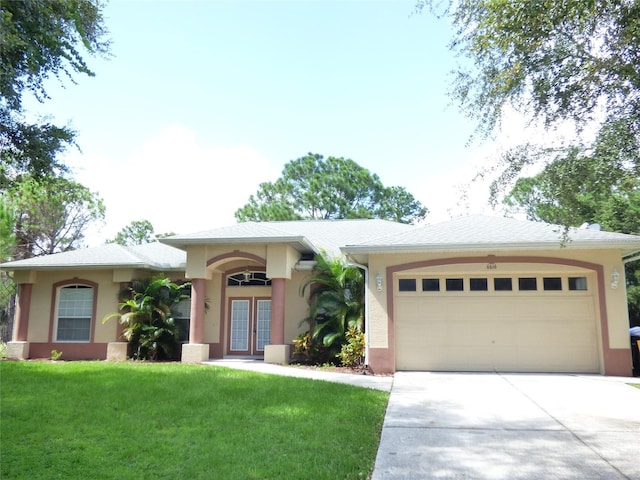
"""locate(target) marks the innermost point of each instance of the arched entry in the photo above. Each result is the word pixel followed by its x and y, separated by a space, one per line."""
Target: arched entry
pixel 249 319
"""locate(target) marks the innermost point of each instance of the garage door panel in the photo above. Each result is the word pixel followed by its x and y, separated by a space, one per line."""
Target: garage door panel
pixel 518 332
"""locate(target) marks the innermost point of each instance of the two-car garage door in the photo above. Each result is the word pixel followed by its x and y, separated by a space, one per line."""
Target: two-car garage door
pixel 530 323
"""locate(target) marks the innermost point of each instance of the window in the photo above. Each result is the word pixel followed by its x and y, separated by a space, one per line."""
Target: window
pixel 552 283
pixel 248 279
pixel 478 285
pixel 502 284
pixel 75 311
pixel 407 285
pixel 181 312
pixel 527 283
pixel 577 283
pixel 454 285
pixel 430 284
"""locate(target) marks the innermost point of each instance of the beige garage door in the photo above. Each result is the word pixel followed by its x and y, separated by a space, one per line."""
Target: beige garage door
pixel 541 324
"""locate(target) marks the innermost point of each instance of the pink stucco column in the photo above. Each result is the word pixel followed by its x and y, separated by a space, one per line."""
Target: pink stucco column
pixel 22 312
pixel 277 310
pixel 196 323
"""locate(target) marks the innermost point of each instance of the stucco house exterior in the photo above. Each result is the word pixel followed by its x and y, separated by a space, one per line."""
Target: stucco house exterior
pixel 475 293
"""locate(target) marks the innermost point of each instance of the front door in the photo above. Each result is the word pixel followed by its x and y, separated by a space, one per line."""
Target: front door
pixel 249 325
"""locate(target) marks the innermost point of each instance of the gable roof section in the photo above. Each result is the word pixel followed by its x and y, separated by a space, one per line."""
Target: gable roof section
pixel 480 232
pixel 306 236
pixel 154 256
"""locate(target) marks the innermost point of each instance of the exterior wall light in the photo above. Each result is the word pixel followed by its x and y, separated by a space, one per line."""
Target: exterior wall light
pixel 615 278
pixel 379 282
pixel 247 275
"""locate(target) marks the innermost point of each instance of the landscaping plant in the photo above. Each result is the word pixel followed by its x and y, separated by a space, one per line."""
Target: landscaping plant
pixel 336 304
pixel 149 326
pixel 352 352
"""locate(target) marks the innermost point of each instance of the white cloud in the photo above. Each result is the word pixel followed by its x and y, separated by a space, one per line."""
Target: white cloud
pixel 465 190
pixel 175 181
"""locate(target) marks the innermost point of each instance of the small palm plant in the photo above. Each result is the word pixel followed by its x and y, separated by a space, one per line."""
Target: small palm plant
pixel 149 326
pixel 336 303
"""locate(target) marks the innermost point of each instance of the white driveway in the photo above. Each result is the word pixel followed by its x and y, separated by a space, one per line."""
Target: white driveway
pixel 510 426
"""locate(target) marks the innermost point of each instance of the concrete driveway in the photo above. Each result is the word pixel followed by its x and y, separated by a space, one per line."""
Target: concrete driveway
pixel 510 426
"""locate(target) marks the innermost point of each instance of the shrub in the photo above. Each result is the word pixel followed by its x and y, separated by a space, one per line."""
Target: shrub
pixel 149 326
pixel 352 352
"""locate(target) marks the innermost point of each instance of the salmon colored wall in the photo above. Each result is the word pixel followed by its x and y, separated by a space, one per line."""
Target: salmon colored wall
pixel 212 315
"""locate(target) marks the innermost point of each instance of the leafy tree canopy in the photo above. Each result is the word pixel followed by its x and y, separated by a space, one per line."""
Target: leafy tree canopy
pixel 7 235
pixel 51 215
pixel 314 188
pixel 594 189
pixel 137 233
pixel 555 62
pixel 41 39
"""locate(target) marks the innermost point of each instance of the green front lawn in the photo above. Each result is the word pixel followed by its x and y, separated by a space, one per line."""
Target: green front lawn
pixel 167 421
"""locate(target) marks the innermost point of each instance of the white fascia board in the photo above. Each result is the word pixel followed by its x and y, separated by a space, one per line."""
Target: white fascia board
pixel 631 257
pixel 448 247
pixel 301 242
pixel 144 266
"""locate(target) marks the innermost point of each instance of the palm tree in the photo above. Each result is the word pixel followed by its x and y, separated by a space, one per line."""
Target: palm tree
pixel 336 302
pixel 149 326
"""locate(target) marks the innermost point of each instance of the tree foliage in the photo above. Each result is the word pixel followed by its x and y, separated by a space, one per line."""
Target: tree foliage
pixel 7 225
pixel 314 188
pixel 136 233
pixel 557 63
pixel 336 304
pixel 41 39
pixel 594 190
pixel 51 215
pixel 149 326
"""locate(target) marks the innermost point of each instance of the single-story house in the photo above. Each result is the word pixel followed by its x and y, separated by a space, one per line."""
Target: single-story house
pixel 475 293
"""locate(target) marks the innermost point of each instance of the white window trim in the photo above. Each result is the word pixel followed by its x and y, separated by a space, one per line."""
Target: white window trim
pixel 57 312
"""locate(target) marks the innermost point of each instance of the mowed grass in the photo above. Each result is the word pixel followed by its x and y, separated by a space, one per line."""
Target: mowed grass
pixel 97 420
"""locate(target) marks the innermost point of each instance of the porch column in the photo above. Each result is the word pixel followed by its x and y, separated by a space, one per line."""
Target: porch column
pixel 196 351
pixel 22 312
pixel 196 322
pixel 117 351
pixel 19 347
pixel 277 310
pixel 277 351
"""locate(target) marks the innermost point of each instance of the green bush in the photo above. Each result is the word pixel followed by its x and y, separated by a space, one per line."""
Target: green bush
pixel 352 352
pixel 149 326
pixel 308 350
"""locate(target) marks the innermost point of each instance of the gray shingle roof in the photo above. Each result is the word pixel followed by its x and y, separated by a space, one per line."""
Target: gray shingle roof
pixel 479 232
pixel 307 236
pixel 476 232
pixel 155 256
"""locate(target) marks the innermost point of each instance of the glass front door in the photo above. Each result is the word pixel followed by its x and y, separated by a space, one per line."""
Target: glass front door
pixel 249 326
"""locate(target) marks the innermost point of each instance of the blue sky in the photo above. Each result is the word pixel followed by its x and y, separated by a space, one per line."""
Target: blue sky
pixel 203 100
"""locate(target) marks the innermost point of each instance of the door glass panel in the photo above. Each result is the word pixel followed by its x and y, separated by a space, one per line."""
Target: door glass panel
pixel 263 324
pixel 240 325
pixel 577 283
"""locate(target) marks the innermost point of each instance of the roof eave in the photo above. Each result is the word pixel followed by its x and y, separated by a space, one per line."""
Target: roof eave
pixel 466 247
pixel 300 243
pixel 142 266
